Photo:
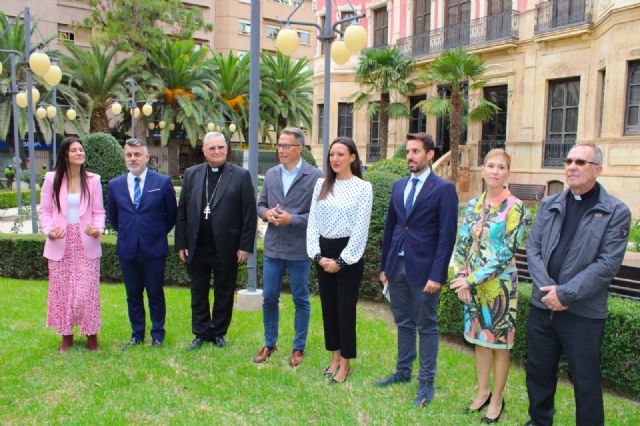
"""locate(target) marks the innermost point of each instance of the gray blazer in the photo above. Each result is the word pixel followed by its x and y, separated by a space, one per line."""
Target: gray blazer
pixel 289 241
pixel 593 259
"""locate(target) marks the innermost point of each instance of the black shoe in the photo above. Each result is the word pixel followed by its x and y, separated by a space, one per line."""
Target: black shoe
pixel 219 341
pixel 391 380
pixel 470 410
pixel 486 419
pixel 197 342
pixel 132 342
pixel 335 382
pixel 156 343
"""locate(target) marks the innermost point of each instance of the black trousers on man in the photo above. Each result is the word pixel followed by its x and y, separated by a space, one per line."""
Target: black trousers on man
pixel 338 297
pixel 205 323
pixel 580 339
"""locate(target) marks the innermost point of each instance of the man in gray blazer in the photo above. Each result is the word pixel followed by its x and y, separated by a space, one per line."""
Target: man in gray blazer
pixel 284 203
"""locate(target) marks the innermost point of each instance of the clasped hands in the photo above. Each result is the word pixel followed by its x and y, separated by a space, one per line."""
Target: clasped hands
pixel 462 289
pixel 551 300
pixel 59 232
pixel 329 265
pixel 278 216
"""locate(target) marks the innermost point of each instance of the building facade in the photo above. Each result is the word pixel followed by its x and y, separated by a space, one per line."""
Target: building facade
pixel 562 72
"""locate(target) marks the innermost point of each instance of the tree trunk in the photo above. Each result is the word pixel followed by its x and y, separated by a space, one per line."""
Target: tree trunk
pixel 173 145
pixel 383 114
pixel 454 130
pixel 99 121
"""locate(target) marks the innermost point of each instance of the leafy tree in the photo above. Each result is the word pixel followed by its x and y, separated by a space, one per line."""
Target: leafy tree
pixel 383 73
pixel 232 83
pixel 456 67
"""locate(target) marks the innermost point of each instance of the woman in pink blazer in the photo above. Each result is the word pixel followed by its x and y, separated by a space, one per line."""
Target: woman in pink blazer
pixel 72 217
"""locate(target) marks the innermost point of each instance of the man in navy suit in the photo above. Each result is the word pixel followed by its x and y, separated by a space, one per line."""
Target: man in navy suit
pixel 141 206
pixel 419 235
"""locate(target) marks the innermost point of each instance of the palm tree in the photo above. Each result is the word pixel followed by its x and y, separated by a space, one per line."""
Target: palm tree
pixel 96 75
pixel 385 73
pixel 285 98
pixel 455 68
pixel 183 81
pixel 232 84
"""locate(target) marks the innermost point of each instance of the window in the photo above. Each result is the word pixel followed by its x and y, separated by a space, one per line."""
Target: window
pixel 494 131
pixel 345 119
pixel 272 32
pixel 303 37
pixel 322 22
pixel 373 148
pixel 562 120
pixel 245 27
pixel 443 140
pixel 417 120
pixel 499 19
pixel 380 27
pixel 632 119
pixel 457 15
pixel 344 15
pixel 320 120
pixel 422 16
pixel 66 36
pixel 601 83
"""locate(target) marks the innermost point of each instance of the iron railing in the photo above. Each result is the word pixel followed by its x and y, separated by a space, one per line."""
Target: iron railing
pixel 373 152
pixel 557 14
pixel 486 146
pixel 555 152
pixel 476 32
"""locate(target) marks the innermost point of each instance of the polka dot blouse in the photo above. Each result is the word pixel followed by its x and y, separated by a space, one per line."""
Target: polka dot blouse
pixel 344 213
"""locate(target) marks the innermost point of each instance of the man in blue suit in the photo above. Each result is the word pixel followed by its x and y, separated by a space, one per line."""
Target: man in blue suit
pixel 141 206
pixel 419 235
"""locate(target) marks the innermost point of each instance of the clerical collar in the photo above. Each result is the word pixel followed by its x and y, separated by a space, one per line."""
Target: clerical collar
pixel 587 195
pixel 216 169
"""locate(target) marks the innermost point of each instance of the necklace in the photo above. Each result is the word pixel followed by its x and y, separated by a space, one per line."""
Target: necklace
pixel 207 209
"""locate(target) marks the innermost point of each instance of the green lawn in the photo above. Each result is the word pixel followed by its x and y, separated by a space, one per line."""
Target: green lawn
pixel 222 386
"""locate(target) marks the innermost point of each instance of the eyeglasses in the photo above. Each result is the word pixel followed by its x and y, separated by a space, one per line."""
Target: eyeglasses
pixel 578 162
pixel 286 146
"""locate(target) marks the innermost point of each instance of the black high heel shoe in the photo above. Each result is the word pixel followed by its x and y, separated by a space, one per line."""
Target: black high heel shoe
pixel 326 373
pixel 470 410
pixel 487 420
pixel 335 382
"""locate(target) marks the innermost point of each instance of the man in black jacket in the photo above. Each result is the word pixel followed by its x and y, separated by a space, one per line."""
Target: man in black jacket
pixel 215 230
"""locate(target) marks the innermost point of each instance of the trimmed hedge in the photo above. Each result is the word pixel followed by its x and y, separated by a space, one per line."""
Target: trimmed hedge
pixel 9 199
pixel 395 166
pixel 104 155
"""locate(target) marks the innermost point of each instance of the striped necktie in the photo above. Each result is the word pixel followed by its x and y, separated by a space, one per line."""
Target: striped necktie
pixel 137 193
pixel 409 205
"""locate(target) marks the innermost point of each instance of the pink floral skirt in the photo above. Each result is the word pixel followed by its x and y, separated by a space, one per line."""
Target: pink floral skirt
pixel 74 289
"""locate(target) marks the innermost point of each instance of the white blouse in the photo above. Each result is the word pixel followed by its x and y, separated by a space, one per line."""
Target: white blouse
pixel 73 208
pixel 344 213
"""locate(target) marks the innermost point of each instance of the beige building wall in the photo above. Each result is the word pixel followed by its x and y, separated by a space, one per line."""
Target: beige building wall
pixel 527 65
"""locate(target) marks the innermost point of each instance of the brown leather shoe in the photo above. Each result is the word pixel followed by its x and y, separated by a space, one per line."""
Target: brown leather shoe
pixel 296 358
pixel 92 342
pixel 67 341
pixel 263 354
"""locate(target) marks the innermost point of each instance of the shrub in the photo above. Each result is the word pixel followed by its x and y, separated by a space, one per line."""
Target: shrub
pixel 9 199
pixel 104 155
pixel 308 157
pixel 401 152
pixel 396 166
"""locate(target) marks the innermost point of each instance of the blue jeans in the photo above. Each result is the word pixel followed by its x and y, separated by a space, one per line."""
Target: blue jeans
pixel 273 269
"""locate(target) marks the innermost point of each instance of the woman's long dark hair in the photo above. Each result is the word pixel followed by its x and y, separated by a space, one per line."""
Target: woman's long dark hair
pixel 330 175
pixel 62 170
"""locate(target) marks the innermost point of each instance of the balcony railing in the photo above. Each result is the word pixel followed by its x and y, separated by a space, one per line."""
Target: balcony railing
pixel 557 14
pixel 486 146
pixel 556 151
pixel 373 152
pixel 485 30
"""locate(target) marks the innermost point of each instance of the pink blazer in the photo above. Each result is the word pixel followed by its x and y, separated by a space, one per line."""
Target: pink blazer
pixel 91 211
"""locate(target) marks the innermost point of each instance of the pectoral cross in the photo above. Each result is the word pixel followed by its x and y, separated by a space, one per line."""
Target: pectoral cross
pixel 206 212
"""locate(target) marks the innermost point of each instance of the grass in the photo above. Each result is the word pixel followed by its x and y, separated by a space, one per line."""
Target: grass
pixel 222 386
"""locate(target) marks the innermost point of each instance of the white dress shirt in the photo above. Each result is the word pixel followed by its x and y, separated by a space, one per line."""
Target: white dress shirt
pixel 131 183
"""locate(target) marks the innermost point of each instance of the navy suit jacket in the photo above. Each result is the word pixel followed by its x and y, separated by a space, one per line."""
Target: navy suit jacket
pixel 427 235
pixel 142 232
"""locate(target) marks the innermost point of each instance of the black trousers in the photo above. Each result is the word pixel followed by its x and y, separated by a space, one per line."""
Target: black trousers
pixel 580 339
pixel 215 323
pixel 338 297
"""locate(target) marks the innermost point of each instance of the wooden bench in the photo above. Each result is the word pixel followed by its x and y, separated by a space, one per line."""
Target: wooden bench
pixel 625 284
pixel 527 192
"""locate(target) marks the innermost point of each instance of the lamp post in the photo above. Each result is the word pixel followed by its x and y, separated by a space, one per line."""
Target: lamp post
pixel 354 40
pixel 147 108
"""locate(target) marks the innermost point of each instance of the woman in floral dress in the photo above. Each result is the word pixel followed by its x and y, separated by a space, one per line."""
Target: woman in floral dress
pixel 486 279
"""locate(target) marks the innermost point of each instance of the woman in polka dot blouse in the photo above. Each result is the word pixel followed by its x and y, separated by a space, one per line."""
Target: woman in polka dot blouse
pixel 336 238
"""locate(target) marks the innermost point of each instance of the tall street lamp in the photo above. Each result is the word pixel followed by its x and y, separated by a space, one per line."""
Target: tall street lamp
pixel 147 108
pixel 353 40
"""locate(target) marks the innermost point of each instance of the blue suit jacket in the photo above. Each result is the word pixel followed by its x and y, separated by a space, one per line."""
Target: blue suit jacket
pixel 143 231
pixel 427 235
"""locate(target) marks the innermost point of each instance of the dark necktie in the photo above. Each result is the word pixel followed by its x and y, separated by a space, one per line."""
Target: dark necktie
pixel 409 205
pixel 137 193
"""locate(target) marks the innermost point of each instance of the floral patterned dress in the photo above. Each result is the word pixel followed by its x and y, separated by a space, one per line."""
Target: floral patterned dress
pixel 485 252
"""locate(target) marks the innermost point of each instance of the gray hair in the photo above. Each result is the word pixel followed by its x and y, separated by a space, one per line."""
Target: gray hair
pixel 295 132
pixel 211 135
pixel 137 142
pixel 597 152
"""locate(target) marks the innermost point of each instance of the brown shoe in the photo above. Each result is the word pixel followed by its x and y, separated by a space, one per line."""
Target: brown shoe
pixel 296 358
pixel 263 354
pixel 92 342
pixel 67 341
